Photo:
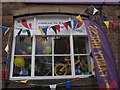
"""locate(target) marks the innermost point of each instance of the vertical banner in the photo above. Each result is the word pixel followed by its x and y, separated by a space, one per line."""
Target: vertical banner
pixel 103 58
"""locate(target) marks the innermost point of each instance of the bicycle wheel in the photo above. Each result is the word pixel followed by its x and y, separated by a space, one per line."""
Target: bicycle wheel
pixel 60 69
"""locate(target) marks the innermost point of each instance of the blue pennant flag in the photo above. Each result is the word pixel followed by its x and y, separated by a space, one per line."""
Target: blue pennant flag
pixel 104 18
pixel 5 30
pixel 75 23
pixel 67 85
pixel 6 61
pixel 44 30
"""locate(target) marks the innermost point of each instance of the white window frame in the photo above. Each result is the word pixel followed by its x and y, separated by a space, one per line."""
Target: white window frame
pixel 33 54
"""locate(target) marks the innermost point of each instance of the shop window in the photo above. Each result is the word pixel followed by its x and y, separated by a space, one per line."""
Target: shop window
pixel 63 55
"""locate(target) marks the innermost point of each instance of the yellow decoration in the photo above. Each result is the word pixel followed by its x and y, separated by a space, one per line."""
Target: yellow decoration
pixel 23 81
pixel 107 23
pixel 19 61
pixel 79 18
pixel 7 30
pixel 41 31
pixel 107 86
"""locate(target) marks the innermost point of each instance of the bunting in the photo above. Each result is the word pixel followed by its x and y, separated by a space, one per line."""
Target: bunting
pixel 6 61
pixel 5 30
pixel 79 18
pixel 95 11
pixel 107 23
pixel 54 29
pixel 57 27
pixel 104 18
pixel 115 24
pixel 66 25
pixel 53 87
pixel 24 81
pixel 45 31
pixel 69 24
pixel 67 85
pixel 7 48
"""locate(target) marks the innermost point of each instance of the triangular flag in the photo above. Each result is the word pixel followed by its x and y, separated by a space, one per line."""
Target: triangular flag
pixel 106 23
pixel 79 24
pixel 79 18
pixel 115 23
pixel 67 85
pixel 66 25
pixel 69 24
pixel 54 29
pixel 6 61
pixel 104 18
pixel 75 23
pixel 5 30
pixel 7 48
pixel 57 27
pixel 23 81
pixel 41 31
pixel 44 30
pixel 53 87
pixel 95 11
pixel 4 74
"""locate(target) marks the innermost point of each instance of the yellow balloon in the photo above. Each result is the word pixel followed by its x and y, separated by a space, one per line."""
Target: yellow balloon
pixel 19 61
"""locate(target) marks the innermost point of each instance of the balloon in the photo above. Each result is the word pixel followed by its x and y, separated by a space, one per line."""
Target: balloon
pixel 24 23
pixel 19 61
pixel 29 49
pixel 48 49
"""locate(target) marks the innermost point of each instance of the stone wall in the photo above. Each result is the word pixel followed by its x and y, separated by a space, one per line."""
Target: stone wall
pixel 17 9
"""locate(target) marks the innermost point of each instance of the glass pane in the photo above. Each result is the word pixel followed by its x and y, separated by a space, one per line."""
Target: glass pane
pixel 22 66
pixel 43 66
pixel 81 65
pixel 62 66
pixel 61 45
pixel 23 45
pixel 43 45
pixel 80 45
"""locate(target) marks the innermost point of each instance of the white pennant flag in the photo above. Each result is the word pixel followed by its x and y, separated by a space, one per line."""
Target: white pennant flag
pixel 52 87
pixel 7 48
pixel 94 11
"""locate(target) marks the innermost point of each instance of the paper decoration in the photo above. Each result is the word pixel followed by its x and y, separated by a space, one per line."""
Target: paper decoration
pixel 104 18
pixel 24 81
pixel 5 30
pixel 53 87
pixel 95 11
pixel 115 24
pixel 67 85
pixel 79 18
pixel 57 27
pixel 7 48
pixel 66 25
pixel 54 29
pixel 106 23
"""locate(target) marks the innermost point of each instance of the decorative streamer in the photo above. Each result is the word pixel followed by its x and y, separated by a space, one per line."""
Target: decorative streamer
pixel 95 11
pixel 6 61
pixel 107 23
pixel 53 87
pixel 45 31
pixel 20 31
pixel 75 23
pixel 67 85
pixel 104 18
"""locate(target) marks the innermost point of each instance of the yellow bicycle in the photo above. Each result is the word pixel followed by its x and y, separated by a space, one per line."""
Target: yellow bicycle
pixel 64 69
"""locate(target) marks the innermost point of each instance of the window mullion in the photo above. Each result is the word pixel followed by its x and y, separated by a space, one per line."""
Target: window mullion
pixel 52 56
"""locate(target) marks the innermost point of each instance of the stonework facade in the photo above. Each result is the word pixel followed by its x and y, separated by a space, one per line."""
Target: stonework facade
pixel 11 10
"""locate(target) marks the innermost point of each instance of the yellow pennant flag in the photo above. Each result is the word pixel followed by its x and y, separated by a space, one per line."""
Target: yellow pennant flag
pixel 41 31
pixel 79 18
pixel 107 86
pixel 23 81
pixel 107 23
pixel 7 30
